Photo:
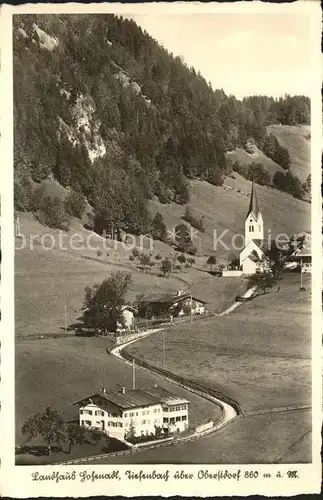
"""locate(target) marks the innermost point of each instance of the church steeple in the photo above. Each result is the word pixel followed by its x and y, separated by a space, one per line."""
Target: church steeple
pixel 253 206
pixel 254 227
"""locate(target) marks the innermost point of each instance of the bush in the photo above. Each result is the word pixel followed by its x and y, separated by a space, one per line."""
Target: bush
pixel 181 258
pixel 23 195
pixel 258 174
pixel 99 253
pixel 135 252
pixel 196 223
pixel 192 250
pixel 166 267
pixel 159 230
pixel 158 257
pixel 131 257
pixel 52 213
pixel 289 183
pixel 75 204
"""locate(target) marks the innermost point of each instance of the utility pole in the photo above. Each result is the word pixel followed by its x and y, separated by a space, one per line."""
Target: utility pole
pixel 17 226
pixel 133 374
pixel 199 246
pixel 65 317
pixel 191 310
pixel 164 351
pixel 301 273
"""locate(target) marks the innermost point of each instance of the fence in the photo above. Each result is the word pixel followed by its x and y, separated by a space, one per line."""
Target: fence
pixel 205 427
pixel 206 393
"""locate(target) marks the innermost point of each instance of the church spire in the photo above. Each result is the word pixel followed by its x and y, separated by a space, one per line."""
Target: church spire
pixel 253 206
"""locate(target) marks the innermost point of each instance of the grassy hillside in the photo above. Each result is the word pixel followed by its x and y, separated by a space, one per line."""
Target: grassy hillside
pixel 226 210
pixel 260 354
pixel 296 138
pixel 46 280
pixel 258 156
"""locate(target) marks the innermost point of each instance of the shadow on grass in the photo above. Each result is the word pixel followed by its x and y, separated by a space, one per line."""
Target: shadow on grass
pixel 38 450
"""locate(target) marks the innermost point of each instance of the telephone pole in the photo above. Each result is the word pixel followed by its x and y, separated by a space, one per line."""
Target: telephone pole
pixel 133 374
pixel 164 351
pixel 17 226
pixel 191 310
pixel 65 317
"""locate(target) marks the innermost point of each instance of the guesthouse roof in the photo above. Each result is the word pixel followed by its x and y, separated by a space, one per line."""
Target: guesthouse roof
pixel 137 398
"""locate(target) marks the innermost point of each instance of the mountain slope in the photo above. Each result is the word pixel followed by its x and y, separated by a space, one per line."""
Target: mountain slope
pixel 119 120
pixel 296 138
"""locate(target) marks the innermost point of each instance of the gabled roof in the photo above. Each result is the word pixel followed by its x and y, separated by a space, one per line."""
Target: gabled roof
pixel 306 248
pixel 137 398
pixel 164 396
pixel 129 307
pixel 253 205
pixel 168 298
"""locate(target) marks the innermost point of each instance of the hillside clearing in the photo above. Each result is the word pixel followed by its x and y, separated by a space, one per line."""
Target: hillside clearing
pixel 296 138
pixel 225 211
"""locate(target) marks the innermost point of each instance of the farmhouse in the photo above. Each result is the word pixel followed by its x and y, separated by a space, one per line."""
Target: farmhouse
pixel 128 315
pixel 140 411
pixel 252 254
pixel 177 304
pixel 303 255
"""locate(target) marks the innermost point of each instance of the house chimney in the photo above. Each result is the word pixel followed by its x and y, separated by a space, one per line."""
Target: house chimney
pixel 122 390
pixel 179 292
pixel 103 390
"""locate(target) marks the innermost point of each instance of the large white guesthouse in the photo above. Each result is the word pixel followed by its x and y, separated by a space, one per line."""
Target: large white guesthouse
pixel 143 410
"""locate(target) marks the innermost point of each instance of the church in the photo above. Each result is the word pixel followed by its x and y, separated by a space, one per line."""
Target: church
pixel 252 254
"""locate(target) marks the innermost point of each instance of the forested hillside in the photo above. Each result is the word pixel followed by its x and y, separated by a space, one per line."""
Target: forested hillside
pixel 111 115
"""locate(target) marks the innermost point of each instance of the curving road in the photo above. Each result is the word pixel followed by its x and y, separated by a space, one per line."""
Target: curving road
pixel 229 413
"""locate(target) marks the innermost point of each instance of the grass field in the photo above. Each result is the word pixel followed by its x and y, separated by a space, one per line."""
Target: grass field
pixel 277 438
pixel 58 372
pixel 260 355
pixel 46 280
pixel 296 138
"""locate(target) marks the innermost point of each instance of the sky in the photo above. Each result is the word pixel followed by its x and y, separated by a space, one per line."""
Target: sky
pixel 245 54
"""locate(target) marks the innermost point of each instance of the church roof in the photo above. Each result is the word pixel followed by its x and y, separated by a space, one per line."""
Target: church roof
pixel 253 206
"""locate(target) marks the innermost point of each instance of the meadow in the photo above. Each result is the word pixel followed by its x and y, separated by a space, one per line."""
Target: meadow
pixel 296 138
pixel 48 279
pixel 260 354
pixel 275 438
pixel 59 372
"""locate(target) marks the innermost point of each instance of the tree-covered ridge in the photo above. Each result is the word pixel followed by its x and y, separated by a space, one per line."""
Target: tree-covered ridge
pixel 112 115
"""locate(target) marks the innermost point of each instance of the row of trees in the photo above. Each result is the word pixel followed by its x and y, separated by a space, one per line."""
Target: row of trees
pixel 284 181
pixel 255 171
pixel 49 426
pixel 152 144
